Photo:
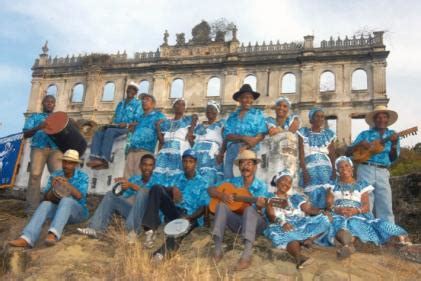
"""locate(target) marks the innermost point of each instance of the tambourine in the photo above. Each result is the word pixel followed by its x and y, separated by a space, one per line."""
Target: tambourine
pixel 177 228
pixel 117 189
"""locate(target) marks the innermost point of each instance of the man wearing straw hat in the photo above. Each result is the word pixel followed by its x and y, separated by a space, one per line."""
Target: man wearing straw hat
pixel 375 170
pixel 71 209
pixel 251 222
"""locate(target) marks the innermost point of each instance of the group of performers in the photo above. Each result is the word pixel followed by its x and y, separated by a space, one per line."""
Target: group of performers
pixel 306 195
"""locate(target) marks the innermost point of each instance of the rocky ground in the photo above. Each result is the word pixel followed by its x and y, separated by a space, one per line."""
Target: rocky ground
pixel 79 258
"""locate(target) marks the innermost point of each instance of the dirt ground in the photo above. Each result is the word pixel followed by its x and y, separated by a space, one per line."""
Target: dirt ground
pixel 79 258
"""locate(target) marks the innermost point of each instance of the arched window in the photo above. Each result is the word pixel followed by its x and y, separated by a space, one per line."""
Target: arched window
pixel 144 87
pixel 359 80
pixel 327 81
pixel 214 87
pixel 251 80
pixel 177 88
pixel 109 91
pixel 288 84
pixel 78 92
pixel 51 90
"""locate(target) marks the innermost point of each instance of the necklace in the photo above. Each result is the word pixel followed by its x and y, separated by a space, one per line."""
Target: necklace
pixel 345 187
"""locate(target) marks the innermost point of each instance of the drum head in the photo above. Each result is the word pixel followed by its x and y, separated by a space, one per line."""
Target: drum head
pixel 177 228
pixel 56 122
pixel 61 191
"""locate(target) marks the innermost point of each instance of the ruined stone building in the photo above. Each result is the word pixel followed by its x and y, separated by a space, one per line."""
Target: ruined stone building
pixel 90 86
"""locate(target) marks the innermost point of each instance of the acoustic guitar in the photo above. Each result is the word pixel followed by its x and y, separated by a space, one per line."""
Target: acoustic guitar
pixel 242 199
pixel 361 154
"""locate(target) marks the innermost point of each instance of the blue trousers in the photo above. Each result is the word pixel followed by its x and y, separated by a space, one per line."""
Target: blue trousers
pixel 381 197
pixel 67 211
pixel 133 214
pixel 103 140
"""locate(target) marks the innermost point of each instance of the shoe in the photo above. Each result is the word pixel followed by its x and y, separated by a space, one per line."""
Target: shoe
pixel 149 238
pixel 20 242
pixel 94 163
pixel 157 258
pixel 131 238
pixel 305 262
pixel 51 240
pixel 88 232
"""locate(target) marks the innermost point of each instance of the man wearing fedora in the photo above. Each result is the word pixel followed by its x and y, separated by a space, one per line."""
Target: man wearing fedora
pixel 71 209
pixel 251 222
pixel 145 135
pixel 375 170
pixel 244 129
pixel 126 116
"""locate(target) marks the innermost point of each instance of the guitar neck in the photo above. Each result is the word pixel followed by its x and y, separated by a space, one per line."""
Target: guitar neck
pixel 245 199
pixel 402 134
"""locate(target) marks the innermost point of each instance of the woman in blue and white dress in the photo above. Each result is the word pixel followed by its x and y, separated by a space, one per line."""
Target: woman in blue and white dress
pixel 207 143
pixel 296 224
pixel 317 158
pixel 173 141
pixel 279 149
pixel 349 200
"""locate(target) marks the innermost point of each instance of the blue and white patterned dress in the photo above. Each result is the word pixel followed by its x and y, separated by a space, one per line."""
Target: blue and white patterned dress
pixel 279 152
pixel 207 145
pixel 364 226
pixel 305 226
pixel 318 164
pixel 168 160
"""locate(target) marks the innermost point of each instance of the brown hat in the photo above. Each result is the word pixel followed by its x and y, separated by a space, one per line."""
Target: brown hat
pixel 246 88
pixel 393 116
pixel 247 155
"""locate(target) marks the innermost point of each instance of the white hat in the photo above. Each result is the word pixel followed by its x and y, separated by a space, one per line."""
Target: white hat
pixel 71 156
pixel 393 116
pixel 134 85
pixel 247 155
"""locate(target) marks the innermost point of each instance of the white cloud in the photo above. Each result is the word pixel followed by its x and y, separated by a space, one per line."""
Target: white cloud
pixel 13 74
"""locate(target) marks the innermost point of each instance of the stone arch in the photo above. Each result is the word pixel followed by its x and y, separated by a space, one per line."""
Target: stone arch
pixel 144 86
pixel 251 80
pixel 288 83
pixel 78 93
pixel 52 90
pixel 214 87
pixel 359 80
pixel 177 88
pixel 109 91
pixel 327 81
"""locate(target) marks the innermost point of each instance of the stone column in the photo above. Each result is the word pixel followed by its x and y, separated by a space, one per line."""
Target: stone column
pixel 343 127
pixel 35 97
pixel 309 88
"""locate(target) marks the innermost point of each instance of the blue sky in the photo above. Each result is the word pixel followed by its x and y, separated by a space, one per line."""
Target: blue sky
pixel 74 27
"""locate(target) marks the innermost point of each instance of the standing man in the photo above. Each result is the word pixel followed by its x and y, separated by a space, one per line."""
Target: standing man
pixel 375 170
pixel 244 129
pixel 126 115
pixel 145 137
pixel 251 222
pixel 43 151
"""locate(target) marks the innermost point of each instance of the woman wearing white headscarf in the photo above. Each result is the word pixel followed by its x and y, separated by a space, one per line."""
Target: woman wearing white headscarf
pixel 207 143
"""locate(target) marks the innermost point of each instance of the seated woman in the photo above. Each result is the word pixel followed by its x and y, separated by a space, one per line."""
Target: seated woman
pixel 351 218
pixel 290 226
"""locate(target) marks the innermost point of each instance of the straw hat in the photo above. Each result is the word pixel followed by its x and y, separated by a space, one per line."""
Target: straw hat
pixel 247 155
pixel 71 156
pixel 393 116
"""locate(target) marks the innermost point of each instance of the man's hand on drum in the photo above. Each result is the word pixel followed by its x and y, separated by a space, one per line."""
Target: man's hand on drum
pixel 125 184
pixel 59 180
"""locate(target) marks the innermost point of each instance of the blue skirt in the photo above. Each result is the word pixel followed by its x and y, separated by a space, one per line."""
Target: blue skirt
pixel 366 228
pixel 304 228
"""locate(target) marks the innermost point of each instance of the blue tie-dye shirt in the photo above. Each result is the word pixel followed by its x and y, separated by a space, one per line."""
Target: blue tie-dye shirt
pixel 252 124
pixel 258 188
pixel 383 157
pixel 79 180
pixel 39 139
pixel 137 180
pixel 194 191
pixel 128 113
pixel 145 135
